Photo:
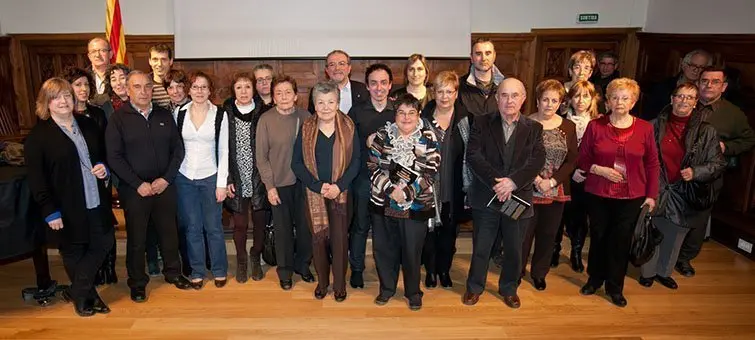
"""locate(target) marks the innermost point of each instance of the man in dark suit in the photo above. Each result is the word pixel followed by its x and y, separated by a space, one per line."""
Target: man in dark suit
pixel 505 153
pixel 338 69
pixel 99 54
pixel 145 151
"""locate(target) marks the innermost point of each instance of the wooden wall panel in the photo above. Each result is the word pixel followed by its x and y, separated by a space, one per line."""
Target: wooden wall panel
pixel 8 113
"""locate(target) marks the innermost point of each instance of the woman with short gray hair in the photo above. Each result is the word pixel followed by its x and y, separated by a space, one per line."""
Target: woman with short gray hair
pixel 326 161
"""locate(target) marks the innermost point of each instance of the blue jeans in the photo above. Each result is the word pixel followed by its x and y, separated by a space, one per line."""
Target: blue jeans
pixel 199 214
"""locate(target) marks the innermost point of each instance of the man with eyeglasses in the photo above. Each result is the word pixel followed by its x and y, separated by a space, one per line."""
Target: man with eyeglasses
pixel 477 88
pixel 99 54
pixel 736 137
pixel 338 70
pixel 607 70
pixel 263 79
pixel 505 153
pixel 145 151
pixel 658 95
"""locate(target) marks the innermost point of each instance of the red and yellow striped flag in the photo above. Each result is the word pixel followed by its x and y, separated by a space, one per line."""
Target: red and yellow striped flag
pixel 115 32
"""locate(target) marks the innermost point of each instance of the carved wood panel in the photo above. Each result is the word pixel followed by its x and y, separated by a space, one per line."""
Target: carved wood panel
pixel 8 115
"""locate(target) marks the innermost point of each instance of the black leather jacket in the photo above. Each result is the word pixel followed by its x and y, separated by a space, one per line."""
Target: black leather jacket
pixel 708 164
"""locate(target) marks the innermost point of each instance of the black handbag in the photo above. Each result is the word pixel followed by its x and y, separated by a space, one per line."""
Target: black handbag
pixel 699 196
pixel 645 239
pixel 268 252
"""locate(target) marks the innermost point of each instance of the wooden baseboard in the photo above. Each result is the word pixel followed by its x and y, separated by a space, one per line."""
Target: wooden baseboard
pixel 728 228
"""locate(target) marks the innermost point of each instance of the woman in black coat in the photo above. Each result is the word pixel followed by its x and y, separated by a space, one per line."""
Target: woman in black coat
pixel 65 156
pixel 83 88
pixel 245 189
pixel 691 160
pixel 450 123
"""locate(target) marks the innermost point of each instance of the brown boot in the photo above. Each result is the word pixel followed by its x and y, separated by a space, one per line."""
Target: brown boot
pixel 257 273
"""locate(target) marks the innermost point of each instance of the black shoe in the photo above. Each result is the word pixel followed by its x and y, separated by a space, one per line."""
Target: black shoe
pixel 84 308
pixel 646 281
pixel 588 289
pixel 381 300
pixel 576 259
pixel 287 284
pixel 321 293
pixel 667 282
pixel 618 300
pixel 415 302
pixel 356 280
pixel 139 295
pixel 307 277
pixel 221 283
pixel 445 280
pixel 197 285
pixel 431 281
pixel 99 306
pixel 685 268
pixel 241 272
pixel 538 283
pixel 257 273
pixel 153 268
pixel 339 296
pixel 556 256
pixel 180 282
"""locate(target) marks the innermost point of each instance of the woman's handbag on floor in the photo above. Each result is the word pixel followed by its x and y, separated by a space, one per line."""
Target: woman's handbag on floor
pixel 645 239
pixel 268 252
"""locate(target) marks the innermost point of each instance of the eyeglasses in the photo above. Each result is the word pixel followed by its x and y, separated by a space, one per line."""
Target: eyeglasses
pixel 606 64
pixel 102 50
pixel 200 88
pixel 264 80
pixel 440 93
pixel 696 67
pixel 711 82
pixel 339 64
pixel 407 113
pixel 684 97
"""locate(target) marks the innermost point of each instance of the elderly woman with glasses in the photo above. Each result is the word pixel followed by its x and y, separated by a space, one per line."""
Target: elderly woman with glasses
pixel 690 157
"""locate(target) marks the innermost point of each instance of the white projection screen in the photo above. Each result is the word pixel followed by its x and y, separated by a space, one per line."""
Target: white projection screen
pixel 208 29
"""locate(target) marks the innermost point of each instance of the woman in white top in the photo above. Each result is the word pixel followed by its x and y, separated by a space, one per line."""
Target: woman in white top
pixel 582 107
pixel 201 180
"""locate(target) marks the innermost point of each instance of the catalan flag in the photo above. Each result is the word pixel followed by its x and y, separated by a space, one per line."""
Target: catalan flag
pixel 115 32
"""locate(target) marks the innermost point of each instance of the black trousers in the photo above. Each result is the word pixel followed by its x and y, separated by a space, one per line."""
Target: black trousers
pixel 612 223
pixel 82 260
pixel 487 224
pixel 292 252
pixel 160 210
pixel 333 248
pixel 542 229
pixel 575 218
pixel 440 244
pixel 360 224
pixel 397 242
pixel 693 242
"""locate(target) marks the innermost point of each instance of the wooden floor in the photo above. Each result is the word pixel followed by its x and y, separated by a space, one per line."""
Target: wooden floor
pixel 717 303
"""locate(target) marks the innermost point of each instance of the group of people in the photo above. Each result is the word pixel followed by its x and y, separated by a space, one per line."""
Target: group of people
pixel 407 163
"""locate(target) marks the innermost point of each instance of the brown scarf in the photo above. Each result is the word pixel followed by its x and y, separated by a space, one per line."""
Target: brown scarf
pixel 342 149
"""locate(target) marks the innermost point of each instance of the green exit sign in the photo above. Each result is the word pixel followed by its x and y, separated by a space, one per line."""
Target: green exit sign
pixel 587 18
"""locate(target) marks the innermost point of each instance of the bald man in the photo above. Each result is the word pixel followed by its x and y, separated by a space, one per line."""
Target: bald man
pixel 506 153
pixel 99 53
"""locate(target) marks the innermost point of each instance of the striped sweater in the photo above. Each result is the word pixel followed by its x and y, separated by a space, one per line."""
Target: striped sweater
pixel 418 153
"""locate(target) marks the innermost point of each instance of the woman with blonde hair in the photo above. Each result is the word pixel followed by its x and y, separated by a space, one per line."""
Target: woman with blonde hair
pixel 581 108
pixel 416 78
pixel 65 155
pixel 619 154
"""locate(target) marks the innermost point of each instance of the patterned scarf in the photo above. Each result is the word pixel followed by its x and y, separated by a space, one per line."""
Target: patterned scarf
pixel 342 149
pixel 117 101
